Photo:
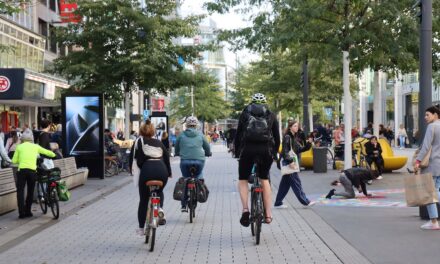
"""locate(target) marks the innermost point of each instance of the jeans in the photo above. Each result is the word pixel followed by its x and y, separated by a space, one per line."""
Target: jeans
pixel 185 165
pixel 290 181
pixel 402 141
pixel 432 208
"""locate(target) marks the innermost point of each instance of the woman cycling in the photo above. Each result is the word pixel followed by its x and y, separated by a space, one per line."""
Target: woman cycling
pixel 154 163
pixel 192 147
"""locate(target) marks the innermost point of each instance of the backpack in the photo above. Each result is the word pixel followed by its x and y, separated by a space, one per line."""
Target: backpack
pixel 258 127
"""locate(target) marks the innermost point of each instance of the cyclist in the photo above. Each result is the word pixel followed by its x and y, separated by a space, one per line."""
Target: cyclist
pixel 192 147
pixel 153 160
pixel 25 156
pixel 257 140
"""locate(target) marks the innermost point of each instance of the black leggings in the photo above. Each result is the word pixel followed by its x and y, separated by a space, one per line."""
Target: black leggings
pixel 25 177
pixel 151 170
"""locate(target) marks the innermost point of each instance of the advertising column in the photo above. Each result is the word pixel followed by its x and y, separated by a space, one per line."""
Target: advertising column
pixel 83 130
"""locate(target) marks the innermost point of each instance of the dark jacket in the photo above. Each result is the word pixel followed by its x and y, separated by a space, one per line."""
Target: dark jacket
pixel 240 140
pixel 358 177
pixel 141 157
pixel 369 149
pixel 296 142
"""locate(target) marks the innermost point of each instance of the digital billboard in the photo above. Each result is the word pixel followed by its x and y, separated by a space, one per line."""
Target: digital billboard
pixel 83 131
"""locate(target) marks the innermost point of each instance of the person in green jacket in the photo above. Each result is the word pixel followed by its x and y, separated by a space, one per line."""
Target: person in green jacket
pixel 25 156
pixel 192 148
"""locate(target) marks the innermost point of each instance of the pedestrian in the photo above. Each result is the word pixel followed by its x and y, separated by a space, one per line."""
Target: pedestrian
pixel 166 140
pixel 25 156
pixel 12 143
pixel 374 154
pixel 120 135
pixel 44 136
pixel 431 142
pixel 133 135
pixel 152 159
pixel 4 158
pixel 293 141
pixel 354 177
pixel 402 136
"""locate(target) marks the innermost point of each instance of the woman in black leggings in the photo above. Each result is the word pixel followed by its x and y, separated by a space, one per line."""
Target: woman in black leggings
pixel 154 163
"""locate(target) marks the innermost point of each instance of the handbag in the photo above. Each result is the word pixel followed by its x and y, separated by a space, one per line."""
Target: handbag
pixel 293 166
pixel 135 171
pixel 420 189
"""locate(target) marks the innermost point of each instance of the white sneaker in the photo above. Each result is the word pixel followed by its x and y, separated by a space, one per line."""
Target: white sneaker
pixel 369 182
pixel 140 232
pixel 311 204
pixel 379 178
pixel 430 226
pixel 283 206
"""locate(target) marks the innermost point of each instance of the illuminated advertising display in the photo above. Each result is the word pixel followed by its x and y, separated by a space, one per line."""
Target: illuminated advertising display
pixel 83 131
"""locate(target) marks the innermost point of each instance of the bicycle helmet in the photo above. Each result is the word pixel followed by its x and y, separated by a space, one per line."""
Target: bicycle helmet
pixel 259 98
pixel 192 121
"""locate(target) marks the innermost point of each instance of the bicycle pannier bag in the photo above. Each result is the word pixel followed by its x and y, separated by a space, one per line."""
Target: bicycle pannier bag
pixel 179 189
pixel 202 192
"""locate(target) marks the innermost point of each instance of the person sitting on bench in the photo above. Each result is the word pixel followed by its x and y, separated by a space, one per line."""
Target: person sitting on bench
pixel 374 154
pixel 354 177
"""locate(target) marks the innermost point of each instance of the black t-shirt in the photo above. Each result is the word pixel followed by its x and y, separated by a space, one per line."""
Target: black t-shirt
pixel 44 140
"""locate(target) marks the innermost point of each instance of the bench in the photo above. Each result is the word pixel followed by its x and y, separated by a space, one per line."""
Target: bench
pixel 8 191
pixel 70 173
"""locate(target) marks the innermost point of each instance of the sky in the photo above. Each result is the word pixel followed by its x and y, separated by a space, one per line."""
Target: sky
pixel 231 20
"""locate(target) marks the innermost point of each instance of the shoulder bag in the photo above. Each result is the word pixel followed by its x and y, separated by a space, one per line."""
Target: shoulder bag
pixel 294 165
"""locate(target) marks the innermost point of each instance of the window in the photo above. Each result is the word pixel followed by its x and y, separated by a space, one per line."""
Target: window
pixel 53 44
pixel 53 5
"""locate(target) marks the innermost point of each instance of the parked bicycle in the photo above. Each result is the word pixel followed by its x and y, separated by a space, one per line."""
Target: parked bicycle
pixel 154 214
pixel 47 187
pixel 359 158
pixel 111 165
pixel 257 205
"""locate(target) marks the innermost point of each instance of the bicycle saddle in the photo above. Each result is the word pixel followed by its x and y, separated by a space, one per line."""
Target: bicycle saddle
pixel 154 183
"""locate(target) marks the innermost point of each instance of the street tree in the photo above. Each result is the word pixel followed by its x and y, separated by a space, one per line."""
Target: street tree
pixel 118 47
pixel 209 103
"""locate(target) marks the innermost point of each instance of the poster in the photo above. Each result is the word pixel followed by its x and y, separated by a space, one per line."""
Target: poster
pixel 160 124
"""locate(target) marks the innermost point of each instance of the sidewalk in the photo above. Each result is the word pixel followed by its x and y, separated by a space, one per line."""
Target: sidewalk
pixel 103 232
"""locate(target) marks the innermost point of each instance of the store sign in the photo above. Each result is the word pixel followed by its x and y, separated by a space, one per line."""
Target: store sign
pixel 67 12
pixel 11 84
pixel 49 91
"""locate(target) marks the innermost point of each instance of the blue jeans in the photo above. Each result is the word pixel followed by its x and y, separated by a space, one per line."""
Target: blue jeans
pixel 290 181
pixel 185 165
pixel 432 208
pixel 402 141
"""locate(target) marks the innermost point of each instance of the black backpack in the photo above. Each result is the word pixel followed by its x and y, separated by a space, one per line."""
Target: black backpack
pixel 258 127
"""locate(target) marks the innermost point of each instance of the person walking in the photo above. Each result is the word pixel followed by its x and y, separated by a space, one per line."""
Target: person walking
pixel 257 140
pixel 192 147
pixel 152 159
pixel 354 177
pixel 431 142
pixel 402 136
pixel 12 143
pixel 25 156
pixel 292 141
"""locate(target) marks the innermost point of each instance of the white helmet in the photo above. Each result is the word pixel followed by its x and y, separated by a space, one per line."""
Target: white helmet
pixel 259 98
pixel 192 121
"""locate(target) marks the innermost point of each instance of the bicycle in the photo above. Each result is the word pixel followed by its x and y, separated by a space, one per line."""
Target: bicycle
pixel 257 205
pixel 111 165
pixel 191 190
pixel 153 213
pixel 47 187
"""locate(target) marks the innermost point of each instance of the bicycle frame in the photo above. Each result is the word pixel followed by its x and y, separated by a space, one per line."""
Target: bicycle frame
pixel 257 205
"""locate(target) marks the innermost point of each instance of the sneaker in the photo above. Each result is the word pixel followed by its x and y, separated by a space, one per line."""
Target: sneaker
pixel 281 206
pixel 140 232
pixel 379 178
pixel 312 203
pixel 430 226
pixel 184 209
pixel 369 182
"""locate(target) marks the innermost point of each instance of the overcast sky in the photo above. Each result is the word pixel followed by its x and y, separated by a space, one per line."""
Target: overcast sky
pixel 231 20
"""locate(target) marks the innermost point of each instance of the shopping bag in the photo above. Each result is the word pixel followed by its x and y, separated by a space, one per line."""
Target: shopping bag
pixel 291 167
pixel 47 164
pixel 63 192
pixel 420 189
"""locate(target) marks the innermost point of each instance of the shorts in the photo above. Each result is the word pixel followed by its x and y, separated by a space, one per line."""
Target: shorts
pixel 262 155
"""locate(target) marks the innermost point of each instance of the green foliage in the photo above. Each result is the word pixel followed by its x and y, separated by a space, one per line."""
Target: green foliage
pixel 117 42
pixel 209 103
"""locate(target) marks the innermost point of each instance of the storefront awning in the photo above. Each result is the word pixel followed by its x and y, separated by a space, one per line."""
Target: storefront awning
pixel 31 102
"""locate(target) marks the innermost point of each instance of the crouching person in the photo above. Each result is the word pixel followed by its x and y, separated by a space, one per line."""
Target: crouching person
pixel 354 177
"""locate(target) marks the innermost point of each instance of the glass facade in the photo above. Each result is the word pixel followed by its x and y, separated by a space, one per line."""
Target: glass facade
pixel 27 50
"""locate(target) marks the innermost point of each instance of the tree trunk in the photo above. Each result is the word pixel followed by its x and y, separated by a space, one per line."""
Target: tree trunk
pixel 347 110
pixel 127 105
pixel 377 103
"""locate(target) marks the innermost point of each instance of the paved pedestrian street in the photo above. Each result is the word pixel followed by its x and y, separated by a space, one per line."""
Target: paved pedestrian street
pixel 104 232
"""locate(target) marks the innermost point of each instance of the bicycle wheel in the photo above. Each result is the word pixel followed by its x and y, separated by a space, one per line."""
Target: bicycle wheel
pixel 258 218
pixel 331 164
pixel 42 197
pixel 54 205
pixel 191 205
pixel 153 238
pixel 111 168
pixel 148 223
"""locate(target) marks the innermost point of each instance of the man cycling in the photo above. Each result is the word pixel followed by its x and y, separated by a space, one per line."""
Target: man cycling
pixel 257 140
pixel 192 148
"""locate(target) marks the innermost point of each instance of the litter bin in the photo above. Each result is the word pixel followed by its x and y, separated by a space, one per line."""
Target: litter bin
pixel 320 160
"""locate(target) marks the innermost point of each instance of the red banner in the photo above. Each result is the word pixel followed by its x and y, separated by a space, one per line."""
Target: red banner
pixel 67 12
